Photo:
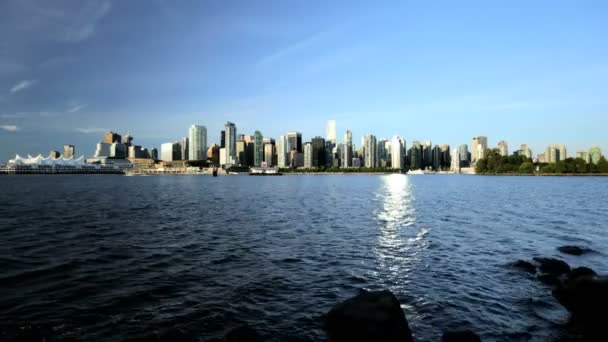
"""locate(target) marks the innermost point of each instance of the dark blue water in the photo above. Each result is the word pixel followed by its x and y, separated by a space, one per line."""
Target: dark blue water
pixel 113 257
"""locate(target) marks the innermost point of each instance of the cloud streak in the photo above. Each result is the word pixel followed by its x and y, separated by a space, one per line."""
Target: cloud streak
pixel 76 108
pixel 23 85
pixel 9 128
pixel 91 130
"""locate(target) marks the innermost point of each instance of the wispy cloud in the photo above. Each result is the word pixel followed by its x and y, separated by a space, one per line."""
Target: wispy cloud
pixel 91 130
pixel 13 116
pixel 9 128
pixel 23 85
pixel 76 108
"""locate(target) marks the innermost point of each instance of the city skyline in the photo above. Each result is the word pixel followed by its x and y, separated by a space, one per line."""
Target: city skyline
pixel 73 70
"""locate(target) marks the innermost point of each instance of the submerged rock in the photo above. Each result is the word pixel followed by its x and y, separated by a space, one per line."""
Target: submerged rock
pixel 574 250
pixel 460 336
pixel 369 316
pixel 552 266
pixel 525 265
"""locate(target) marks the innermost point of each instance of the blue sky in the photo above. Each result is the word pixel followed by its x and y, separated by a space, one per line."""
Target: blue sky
pixel 532 72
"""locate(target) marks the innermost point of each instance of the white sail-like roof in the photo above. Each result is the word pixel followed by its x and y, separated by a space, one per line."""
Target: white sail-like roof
pixel 48 161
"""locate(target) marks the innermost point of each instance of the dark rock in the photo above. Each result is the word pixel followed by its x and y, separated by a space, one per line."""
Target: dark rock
pixel 552 266
pixel 586 297
pixel 460 336
pixel 574 250
pixel 549 279
pixel 581 272
pixel 369 316
pixel 241 334
pixel 525 265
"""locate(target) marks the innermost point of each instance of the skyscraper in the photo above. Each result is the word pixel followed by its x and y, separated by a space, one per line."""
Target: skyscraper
pixel 584 155
pixel 269 155
pixel 397 153
pixel 416 156
pixel 54 154
pixel 213 154
pixel 480 145
pixel 185 147
pixel 436 158
pixel 223 139
pixel 555 153
pixel 370 147
pixel 464 155
pixel 68 151
pixel 153 153
pixel 446 157
pixel 383 153
pixel 282 152
pixel 198 142
pixel 258 149
pixel 330 131
pixel 347 149
pixel 318 152
pixel 241 153
pixel 503 147
pixel 427 154
pixel 456 160
pixel 230 143
pixel 308 155
pixel 294 141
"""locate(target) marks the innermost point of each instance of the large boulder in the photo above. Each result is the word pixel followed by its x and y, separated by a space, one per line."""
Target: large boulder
pixel 460 336
pixel 574 250
pixel 586 297
pixel 552 266
pixel 369 316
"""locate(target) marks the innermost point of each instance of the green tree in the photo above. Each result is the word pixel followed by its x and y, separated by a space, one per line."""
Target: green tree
pixel 526 167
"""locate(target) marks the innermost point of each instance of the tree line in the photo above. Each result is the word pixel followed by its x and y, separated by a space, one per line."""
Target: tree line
pixel 494 163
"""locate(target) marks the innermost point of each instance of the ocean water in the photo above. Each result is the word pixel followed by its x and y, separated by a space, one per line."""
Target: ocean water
pixel 110 258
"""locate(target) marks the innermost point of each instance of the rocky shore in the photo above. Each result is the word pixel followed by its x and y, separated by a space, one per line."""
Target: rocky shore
pixel 378 316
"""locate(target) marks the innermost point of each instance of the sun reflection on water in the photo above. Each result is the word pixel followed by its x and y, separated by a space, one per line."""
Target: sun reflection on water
pixel 399 238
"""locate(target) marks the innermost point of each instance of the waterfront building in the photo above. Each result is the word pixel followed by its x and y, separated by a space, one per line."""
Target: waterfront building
pixel 541 158
pixel 595 154
pixel 294 141
pixel 330 131
pixel 555 153
pixel 198 142
pixel 137 152
pixel 269 153
pixel 184 147
pixel 258 150
pixel 480 145
pixel 296 159
pixel 128 140
pixel 223 139
pixel 68 151
pixel 153 153
pixel 54 154
pixel 526 151
pixel 335 159
pixel 223 156
pixel 102 150
pixel 118 151
pixel 230 143
pixel 397 160
pixel 308 155
pixel 329 156
pixel 356 162
pixel 347 149
pixel 318 152
pixel 170 151
pixel 213 154
pixel 370 150
pixel 383 153
pixel 503 147
pixel 241 153
pixel 584 155
pixel 111 137
pixel 416 156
